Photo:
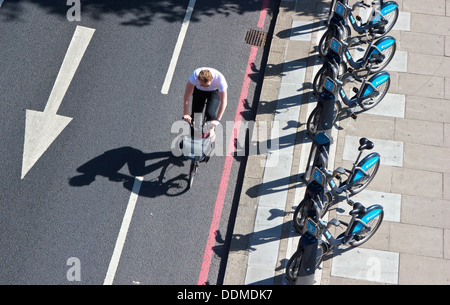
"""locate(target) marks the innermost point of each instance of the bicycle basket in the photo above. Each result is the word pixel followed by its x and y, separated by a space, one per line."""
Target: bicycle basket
pixel 330 85
pixel 312 228
pixel 319 176
pixel 196 149
pixel 342 10
pixel 335 46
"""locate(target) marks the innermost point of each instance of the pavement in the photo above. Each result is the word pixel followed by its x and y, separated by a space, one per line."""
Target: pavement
pixel 410 129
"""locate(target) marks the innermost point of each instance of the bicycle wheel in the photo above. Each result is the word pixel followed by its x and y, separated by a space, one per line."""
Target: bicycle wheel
pixel 326 205
pixel 192 172
pixel 293 265
pixel 312 124
pixel 300 214
pixel 387 46
pixel 374 224
pixel 381 82
pixel 324 42
pixel 359 180
pixel 331 32
pixel 318 80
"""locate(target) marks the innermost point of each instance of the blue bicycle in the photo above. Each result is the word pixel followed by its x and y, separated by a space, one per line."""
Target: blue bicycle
pixel 381 20
pixel 370 94
pixel 362 226
pixel 377 56
pixel 323 190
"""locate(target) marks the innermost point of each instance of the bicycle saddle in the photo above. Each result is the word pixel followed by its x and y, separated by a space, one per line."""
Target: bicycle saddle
pixel 358 208
pixel 365 144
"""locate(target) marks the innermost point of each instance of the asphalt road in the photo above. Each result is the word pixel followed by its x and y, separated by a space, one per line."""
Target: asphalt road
pixel 72 202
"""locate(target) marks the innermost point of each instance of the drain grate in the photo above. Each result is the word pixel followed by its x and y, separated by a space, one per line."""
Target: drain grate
pixel 256 38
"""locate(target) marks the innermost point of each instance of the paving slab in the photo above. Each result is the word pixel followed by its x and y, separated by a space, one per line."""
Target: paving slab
pixel 391 152
pixel 419 132
pixel 367 264
pixel 415 182
pixel 392 105
pixel 391 202
pixel 422 43
pixel 422 270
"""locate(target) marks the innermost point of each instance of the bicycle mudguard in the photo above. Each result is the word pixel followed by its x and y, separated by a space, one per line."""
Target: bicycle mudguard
pixel 386 8
pixel 372 212
pixel 382 44
pixel 366 163
pixel 376 80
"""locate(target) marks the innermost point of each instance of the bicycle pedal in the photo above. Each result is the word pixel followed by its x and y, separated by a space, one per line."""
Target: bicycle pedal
pixel 353 116
pixel 355 89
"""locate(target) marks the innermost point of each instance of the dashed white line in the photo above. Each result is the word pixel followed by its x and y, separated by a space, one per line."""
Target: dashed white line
pixel 114 263
pixel 177 50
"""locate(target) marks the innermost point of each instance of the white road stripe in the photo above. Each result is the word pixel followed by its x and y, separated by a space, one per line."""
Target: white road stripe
pixel 177 50
pixel 110 274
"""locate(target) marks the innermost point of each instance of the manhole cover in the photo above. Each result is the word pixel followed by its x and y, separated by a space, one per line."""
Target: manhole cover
pixel 256 38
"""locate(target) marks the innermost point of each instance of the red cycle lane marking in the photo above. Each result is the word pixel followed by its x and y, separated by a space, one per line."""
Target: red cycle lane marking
pixel 263 13
pixel 204 271
pixel 226 172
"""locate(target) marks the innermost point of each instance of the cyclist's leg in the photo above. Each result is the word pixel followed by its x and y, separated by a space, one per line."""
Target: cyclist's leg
pixel 199 99
pixel 212 105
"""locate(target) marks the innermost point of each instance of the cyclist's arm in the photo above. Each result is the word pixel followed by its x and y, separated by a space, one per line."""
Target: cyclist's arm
pixel 187 95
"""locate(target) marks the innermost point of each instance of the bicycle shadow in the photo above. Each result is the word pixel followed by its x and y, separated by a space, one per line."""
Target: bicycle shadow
pixel 110 163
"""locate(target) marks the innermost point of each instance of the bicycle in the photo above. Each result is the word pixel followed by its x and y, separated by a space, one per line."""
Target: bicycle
pixel 362 226
pixel 197 147
pixel 323 190
pixel 382 14
pixel 376 57
pixel 370 94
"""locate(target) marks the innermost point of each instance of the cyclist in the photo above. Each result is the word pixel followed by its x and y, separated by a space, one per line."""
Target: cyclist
pixel 208 88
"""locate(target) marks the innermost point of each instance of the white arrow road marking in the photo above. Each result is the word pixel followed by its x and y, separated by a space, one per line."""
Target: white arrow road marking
pixel 177 50
pixel 42 128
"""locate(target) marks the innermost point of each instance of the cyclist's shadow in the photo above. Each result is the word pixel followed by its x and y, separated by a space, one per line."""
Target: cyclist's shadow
pixel 112 161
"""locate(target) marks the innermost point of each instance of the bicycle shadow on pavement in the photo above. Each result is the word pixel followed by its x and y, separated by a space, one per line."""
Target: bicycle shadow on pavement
pixel 110 165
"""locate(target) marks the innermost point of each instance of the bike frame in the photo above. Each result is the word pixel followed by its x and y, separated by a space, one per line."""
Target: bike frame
pixel 325 177
pixel 345 12
pixel 357 225
pixel 367 89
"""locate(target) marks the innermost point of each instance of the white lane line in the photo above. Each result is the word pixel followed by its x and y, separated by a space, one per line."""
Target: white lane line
pixel 177 50
pixel 110 274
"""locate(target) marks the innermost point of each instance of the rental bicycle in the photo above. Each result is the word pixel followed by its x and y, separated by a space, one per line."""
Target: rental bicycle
pixel 370 94
pixel 323 190
pixel 197 147
pixel 381 20
pixel 362 226
pixel 376 57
